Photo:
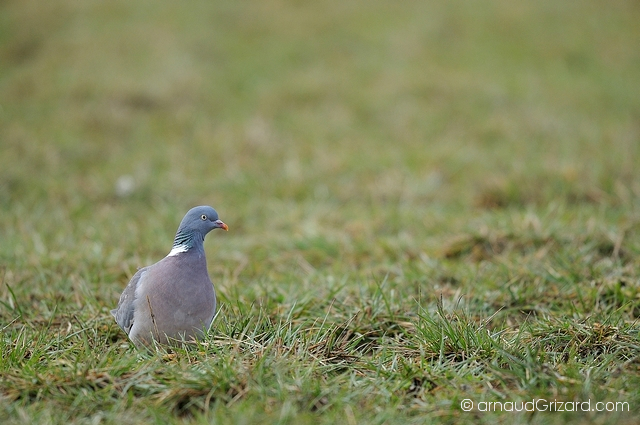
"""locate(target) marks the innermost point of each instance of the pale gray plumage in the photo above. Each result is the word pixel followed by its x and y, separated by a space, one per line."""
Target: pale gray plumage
pixel 173 299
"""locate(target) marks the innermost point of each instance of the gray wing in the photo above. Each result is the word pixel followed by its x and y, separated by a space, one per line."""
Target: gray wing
pixel 125 309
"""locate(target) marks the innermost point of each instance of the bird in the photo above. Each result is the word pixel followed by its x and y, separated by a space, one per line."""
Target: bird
pixel 173 300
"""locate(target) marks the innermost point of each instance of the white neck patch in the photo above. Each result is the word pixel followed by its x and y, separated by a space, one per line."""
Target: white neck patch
pixel 177 250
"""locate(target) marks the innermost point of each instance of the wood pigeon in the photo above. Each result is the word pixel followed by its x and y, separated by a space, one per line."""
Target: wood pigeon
pixel 173 300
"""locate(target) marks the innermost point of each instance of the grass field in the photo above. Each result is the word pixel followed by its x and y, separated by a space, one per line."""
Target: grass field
pixel 428 202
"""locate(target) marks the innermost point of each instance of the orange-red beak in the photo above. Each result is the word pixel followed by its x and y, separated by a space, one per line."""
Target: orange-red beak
pixel 220 224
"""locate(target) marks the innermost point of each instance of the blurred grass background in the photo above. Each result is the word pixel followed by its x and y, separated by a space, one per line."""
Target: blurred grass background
pixel 450 146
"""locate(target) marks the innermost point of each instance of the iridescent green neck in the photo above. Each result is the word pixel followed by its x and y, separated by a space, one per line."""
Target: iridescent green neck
pixel 185 240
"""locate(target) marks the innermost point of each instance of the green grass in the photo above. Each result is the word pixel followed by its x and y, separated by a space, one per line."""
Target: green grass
pixel 428 202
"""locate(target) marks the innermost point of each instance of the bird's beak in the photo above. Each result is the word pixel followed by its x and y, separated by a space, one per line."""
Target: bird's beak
pixel 221 225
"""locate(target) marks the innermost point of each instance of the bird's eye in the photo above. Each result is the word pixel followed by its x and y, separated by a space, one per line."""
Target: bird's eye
pixel 203 217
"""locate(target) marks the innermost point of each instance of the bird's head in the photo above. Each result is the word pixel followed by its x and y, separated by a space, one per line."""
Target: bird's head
pixel 201 219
